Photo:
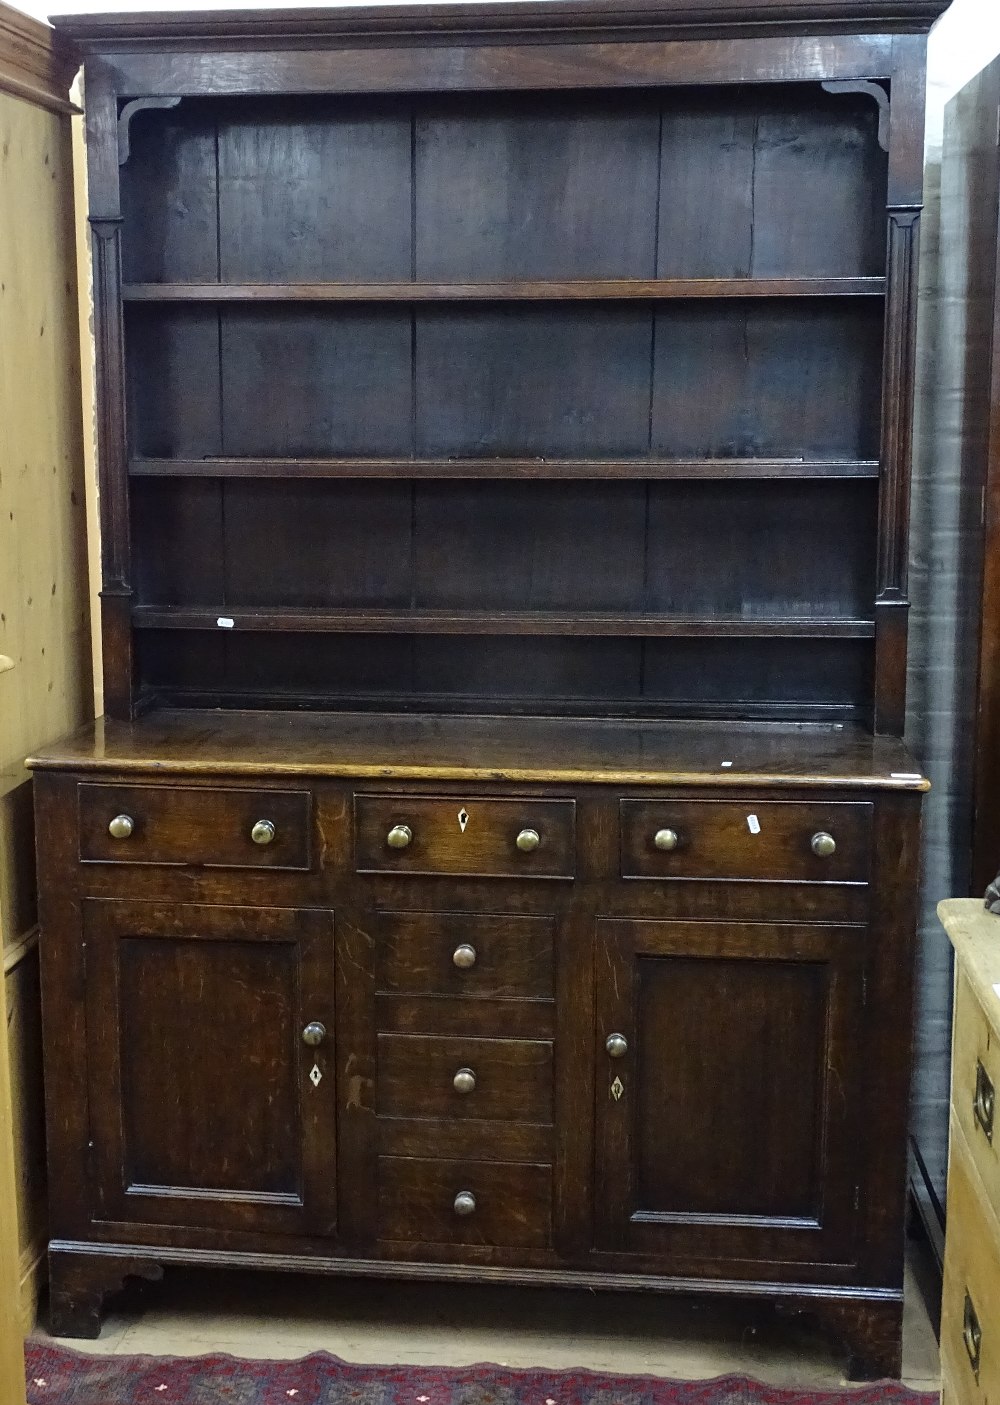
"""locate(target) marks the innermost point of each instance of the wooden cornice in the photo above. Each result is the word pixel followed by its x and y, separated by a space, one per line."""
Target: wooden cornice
pixel 565 20
pixel 35 63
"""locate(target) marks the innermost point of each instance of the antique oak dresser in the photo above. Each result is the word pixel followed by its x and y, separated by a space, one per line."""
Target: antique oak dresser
pixel 498 860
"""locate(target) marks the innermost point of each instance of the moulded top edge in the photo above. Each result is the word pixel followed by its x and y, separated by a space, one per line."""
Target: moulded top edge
pixel 558 18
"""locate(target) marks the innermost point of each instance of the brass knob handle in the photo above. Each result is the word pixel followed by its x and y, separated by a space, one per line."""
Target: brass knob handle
pixel 528 840
pixel 464 956
pixel 314 1033
pixel 823 844
pixel 121 826
pixel 616 1045
pixel 464 1081
pixel 465 1202
pixel 263 832
pixel 399 836
pixel 666 839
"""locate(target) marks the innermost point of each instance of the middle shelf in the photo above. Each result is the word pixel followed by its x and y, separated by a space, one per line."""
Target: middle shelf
pixel 509 290
pixel 613 624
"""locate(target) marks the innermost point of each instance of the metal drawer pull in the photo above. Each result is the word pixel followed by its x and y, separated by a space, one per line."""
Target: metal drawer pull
pixel 464 956
pixel 121 826
pixel 984 1102
pixel 823 844
pixel 314 1033
pixel 399 836
pixel 263 832
pixel 972 1335
pixel 528 840
pixel 666 839
pixel 616 1045
pixel 464 1081
pixel 465 1202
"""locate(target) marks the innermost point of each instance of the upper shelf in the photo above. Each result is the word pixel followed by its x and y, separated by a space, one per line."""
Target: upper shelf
pixel 575 290
pixel 505 468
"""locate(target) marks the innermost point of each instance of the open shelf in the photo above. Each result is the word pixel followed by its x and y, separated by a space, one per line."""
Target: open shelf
pixel 493 468
pixel 613 624
pixel 534 290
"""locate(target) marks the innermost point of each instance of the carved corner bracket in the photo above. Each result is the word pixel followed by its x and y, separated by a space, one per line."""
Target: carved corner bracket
pixel 125 121
pixel 870 90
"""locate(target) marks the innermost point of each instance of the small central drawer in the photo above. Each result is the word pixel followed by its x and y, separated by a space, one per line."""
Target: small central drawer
pixel 505 1080
pixel 483 838
pixel 767 840
pixel 153 824
pixel 508 1204
pixel 473 955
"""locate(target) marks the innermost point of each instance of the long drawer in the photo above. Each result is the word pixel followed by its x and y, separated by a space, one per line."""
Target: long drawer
pixel 769 840
pixel 176 824
pixel 473 837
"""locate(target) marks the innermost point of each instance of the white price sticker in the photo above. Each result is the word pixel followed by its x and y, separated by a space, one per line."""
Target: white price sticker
pixel 753 824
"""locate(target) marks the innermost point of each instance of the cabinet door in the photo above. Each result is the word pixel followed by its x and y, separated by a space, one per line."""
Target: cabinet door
pixel 207 1105
pixel 726 1107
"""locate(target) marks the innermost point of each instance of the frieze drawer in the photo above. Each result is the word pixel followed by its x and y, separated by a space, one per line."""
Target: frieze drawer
pixel 468 836
pixel 224 828
pixel 774 840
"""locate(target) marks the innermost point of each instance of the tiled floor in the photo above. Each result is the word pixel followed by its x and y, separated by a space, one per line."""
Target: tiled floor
pixel 274 1316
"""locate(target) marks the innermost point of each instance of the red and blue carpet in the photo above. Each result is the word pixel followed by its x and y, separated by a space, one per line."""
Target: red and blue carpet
pixel 59 1377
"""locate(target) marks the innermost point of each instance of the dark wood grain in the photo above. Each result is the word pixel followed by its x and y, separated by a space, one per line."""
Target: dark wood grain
pixel 500 383
pixel 513 955
pixel 416 1201
pixel 476 835
pixel 183 824
pixel 416 1072
pixel 594 623
pixel 722 840
pixel 511 290
pixel 472 468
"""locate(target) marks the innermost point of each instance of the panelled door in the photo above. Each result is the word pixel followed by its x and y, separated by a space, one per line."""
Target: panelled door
pixel 211 1068
pixel 727 1072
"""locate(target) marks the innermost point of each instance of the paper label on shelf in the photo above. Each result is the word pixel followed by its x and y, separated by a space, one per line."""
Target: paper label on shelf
pixel 224 622
pixel 753 824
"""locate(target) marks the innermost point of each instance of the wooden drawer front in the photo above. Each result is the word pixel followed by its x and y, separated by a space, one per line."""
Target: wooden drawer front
pixel 465 836
pixel 769 840
pixel 970 1305
pixel 975 1085
pixel 465 954
pixel 512 1202
pixel 185 825
pixel 507 1080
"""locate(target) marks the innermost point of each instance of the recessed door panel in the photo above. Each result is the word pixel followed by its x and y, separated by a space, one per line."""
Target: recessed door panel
pixel 726 1083
pixel 209 1105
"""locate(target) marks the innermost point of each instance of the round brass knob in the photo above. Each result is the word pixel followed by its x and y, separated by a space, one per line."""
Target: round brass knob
pixel 666 839
pixel 263 832
pixel 464 1081
pixel 121 826
pixel 465 1202
pixel 528 840
pixel 616 1045
pixel 464 956
pixel 399 836
pixel 314 1033
pixel 823 844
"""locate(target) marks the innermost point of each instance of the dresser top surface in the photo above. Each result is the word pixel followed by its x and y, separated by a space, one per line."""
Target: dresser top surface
pixel 975 935
pixel 481 748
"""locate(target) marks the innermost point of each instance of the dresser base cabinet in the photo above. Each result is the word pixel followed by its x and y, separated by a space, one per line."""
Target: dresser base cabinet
pixel 515 1027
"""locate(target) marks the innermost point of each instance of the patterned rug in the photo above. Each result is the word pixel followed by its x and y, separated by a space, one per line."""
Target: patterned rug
pixel 59 1377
